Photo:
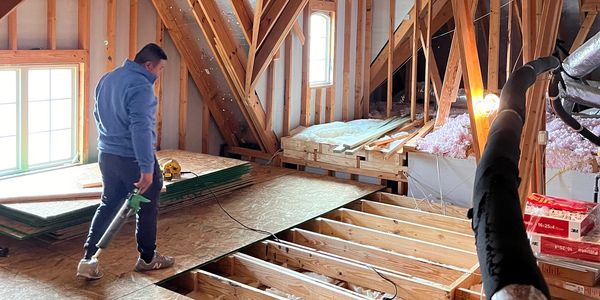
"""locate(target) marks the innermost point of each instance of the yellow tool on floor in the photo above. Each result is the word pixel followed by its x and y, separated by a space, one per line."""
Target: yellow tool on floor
pixel 170 169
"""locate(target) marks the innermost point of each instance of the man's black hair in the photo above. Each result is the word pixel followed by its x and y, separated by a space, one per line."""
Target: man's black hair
pixel 151 52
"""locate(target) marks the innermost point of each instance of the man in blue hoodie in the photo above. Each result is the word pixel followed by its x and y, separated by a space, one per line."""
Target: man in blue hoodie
pixel 125 111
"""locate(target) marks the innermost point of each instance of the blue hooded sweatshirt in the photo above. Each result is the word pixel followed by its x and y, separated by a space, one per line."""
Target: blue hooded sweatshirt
pixel 125 111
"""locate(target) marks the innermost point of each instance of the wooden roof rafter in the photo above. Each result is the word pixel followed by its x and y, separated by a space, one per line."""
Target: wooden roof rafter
pixel 243 12
pixel 268 18
pixel 224 49
pixel 204 82
pixel 229 49
pixel 275 38
pixel 442 13
pixel 7 6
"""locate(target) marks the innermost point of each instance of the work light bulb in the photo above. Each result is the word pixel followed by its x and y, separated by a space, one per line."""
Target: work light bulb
pixel 488 105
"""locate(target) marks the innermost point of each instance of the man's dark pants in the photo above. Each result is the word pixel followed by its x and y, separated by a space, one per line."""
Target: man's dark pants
pixel 118 176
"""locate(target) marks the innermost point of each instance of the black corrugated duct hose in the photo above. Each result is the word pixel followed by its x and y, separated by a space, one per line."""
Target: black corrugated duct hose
pixel 504 253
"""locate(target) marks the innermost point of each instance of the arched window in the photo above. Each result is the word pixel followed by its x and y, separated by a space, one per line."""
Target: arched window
pixel 321 54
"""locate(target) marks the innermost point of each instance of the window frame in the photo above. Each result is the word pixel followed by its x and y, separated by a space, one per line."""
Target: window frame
pixel 330 62
pixel 22 105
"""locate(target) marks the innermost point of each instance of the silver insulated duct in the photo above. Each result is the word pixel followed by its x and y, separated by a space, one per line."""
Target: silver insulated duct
pixel 585 59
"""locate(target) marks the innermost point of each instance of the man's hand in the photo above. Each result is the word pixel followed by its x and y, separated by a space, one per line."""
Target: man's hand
pixel 144 183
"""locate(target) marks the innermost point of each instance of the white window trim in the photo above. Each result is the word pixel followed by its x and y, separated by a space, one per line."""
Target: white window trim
pixel 330 63
pixel 22 119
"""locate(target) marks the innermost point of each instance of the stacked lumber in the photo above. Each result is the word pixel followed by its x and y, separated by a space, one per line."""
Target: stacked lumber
pixel 368 250
pixel 372 148
pixel 60 213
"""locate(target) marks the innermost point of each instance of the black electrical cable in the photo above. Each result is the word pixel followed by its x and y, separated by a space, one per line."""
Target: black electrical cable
pixel 228 214
pixel 387 279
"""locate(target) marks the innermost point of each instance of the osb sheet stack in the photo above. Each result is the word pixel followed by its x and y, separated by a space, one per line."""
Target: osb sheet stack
pixel 65 208
pixel 368 158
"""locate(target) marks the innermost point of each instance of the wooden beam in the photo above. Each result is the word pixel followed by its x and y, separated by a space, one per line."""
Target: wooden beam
pixel 349 271
pixel 330 104
pixel 586 25
pixel 12 31
pixel 233 63
pixel 249 153
pixel 367 64
pixel 471 71
pixel 414 60
pixel 8 57
pixel 158 84
pixel 83 33
pixel 8 6
pixel 233 59
pixel 442 13
pixel 243 12
pixel 494 46
pixel 428 63
pixel 304 90
pixel 287 92
pixel 270 92
pixel 402 245
pixel 390 65
pixel 434 72
pixel 192 54
pixel 205 127
pixel 346 70
pixel 422 232
pixel 273 41
pixel 318 104
pixel 535 98
pixel 299 33
pixel 323 5
pixel 133 35
pixel 253 46
pixel 183 103
pixel 51 26
pixel 111 25
pixel 444 208
pixel 268 18
pixel 358 68
pixel 452 78
pixel 209 284
pixel 528 30
pixel 382 259
pixel 448 223
pixel 287 280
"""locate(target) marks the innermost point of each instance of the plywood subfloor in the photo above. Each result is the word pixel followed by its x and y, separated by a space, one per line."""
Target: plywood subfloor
pixel 195 235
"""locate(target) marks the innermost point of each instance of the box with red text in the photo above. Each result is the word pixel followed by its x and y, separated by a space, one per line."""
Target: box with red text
pixel 559 217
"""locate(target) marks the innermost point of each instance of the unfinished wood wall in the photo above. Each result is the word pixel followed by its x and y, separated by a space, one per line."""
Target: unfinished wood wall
pixel 31 34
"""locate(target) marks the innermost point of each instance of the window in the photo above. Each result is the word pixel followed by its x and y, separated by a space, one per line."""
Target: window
pixel 321 53
pixel 38 109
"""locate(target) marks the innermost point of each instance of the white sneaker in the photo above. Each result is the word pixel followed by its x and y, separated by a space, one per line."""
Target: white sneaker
pixel 158 262
pixel 88 269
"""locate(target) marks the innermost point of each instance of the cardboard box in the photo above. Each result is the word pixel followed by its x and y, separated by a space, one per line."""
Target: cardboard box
pixel 560 293
pixel 587 248
pixel 559 217
pixel 592 292
pixel 569 271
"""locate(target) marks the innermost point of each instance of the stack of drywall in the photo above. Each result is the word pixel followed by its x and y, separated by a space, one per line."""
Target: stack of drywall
pixel 211 177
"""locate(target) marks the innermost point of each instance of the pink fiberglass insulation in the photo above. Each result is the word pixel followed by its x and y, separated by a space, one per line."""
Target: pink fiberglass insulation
pixel 567 149
pixel 452 140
